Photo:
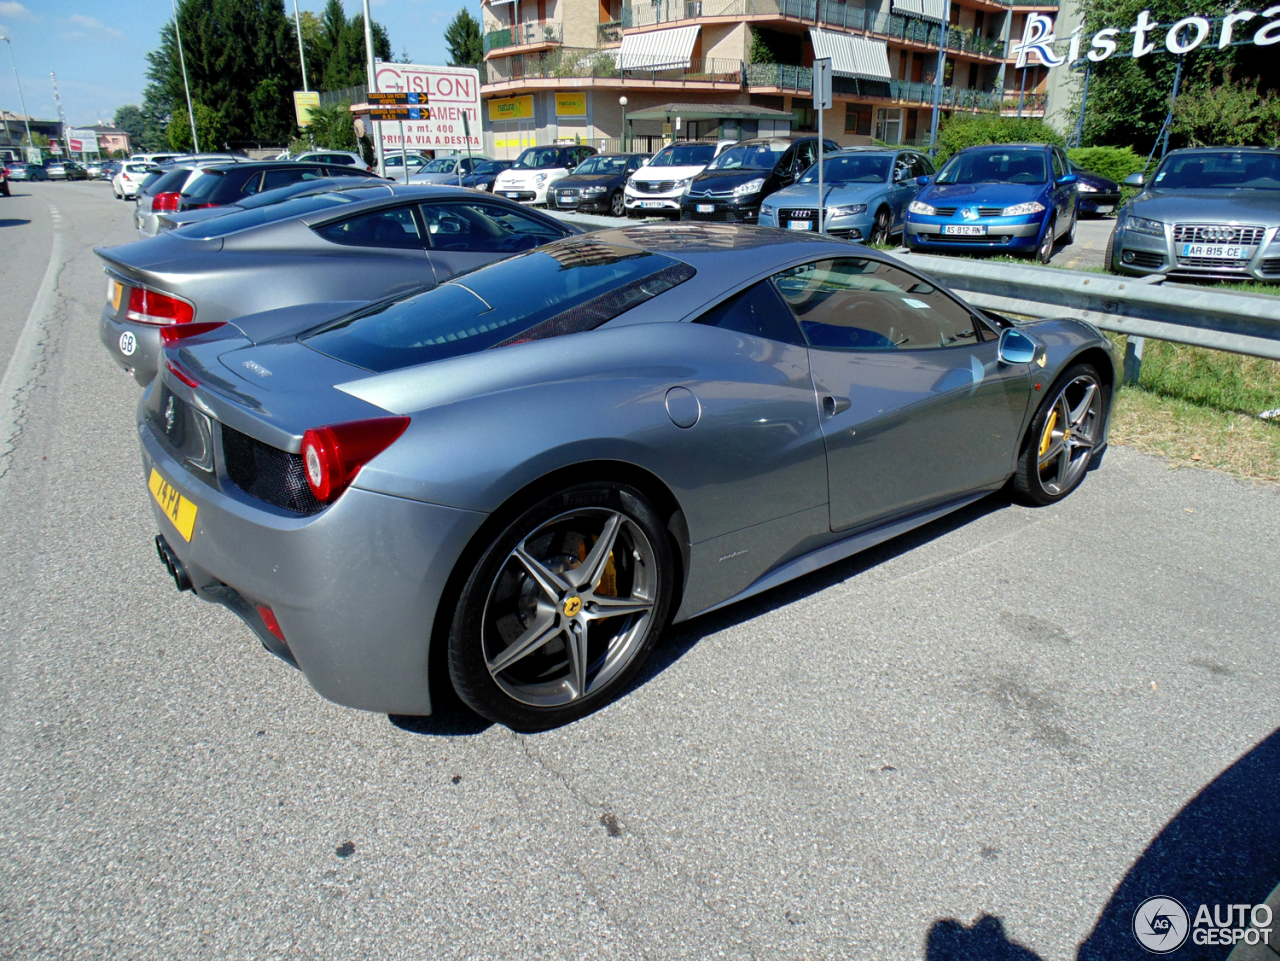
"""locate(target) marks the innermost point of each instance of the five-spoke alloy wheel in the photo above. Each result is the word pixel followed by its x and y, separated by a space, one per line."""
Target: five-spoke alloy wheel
pixel 1063 437
pixel 562 608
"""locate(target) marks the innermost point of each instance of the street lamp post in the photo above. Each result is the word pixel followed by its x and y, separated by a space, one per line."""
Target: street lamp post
pixel 182 60
pixel 25 119
pixel 622 101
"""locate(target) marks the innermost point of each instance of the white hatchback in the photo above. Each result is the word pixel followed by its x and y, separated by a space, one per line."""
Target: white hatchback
pixel 657 187
pixel 536 169
pixel 125 184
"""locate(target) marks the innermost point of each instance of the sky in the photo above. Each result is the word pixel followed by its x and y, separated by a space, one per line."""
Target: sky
pixel 98 50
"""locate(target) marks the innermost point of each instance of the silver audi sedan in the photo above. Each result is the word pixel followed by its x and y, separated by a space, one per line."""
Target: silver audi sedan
pixel 1210 212
pixel 517 479
pixel 353 244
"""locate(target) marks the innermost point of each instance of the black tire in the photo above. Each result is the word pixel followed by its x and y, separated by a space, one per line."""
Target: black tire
pixel 1029 482
pixel 880 229
pixel 1069 237
pixel 1108 258
pixel 1044 252
pixel 616 206
pixel 501 602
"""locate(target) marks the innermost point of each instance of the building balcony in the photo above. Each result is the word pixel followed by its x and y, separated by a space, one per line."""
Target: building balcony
pixel 592 64
pixel 530 33
pixel 607 33
pixel 828 13
pixel 788 77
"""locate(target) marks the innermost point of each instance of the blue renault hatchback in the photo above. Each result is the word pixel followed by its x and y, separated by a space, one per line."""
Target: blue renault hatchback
pixel 1002 198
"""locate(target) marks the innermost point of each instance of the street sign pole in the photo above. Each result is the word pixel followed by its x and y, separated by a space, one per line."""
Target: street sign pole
pixel 466 132
pixel 373 87
pixel 821 103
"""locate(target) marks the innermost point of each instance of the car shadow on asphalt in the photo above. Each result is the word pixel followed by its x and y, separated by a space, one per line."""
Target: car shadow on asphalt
pixel 1222 848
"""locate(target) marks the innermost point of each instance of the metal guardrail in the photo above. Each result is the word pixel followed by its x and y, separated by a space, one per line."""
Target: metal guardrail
pixel 1201 316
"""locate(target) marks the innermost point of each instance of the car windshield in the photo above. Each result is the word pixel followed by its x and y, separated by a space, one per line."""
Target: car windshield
pixel 1219 170
pixel 442 166
pixel 853 169
pixel 602 165
pixel 752 156
pixel 244 219
pixel 561 289
pixel 684 155
pixel 490 168
pixel 996 165
pixel 537 157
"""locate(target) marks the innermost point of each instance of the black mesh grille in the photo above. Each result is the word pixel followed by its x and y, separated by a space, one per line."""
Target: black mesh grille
pixel 268 473
pixel 1142 258
pixel 653 186
pixel 944 211
pixel 991 240
pixel 990 211
pixel 1212 262
pixel 1271 265
pixel 728 215
pixel 1218 234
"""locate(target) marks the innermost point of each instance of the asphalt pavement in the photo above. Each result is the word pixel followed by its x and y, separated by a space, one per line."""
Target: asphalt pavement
pixel 980 741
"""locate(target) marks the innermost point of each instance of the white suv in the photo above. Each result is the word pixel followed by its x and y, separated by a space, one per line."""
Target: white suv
pixel 536 169
pixel 658 186
pixel 344 157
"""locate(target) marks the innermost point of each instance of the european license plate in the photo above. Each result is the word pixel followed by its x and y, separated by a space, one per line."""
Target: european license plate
pixel 513 194
pixel 706 208
pixel 176 507
pixel 800 225
pixel 652 203
pixel 1105 208
pixel 1217 251
pixel 964 230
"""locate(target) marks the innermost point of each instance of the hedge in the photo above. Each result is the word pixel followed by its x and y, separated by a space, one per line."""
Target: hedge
pixel 970 130
pixel 1114 163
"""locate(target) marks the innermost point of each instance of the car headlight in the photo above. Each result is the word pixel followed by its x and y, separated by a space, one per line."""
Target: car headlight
pixel 593 191
pixel 1144 226
pixel 1022 210
pixel 766 210
pixel 1086 188
pixel 482 186
pixel 848 210
pixel 540 179
pixel 631 182
pixel 750 187
pixel 918 207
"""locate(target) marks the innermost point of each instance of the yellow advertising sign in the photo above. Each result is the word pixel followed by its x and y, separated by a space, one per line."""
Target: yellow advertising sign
pixel 571 104
pixel 511 108
pixel 303 103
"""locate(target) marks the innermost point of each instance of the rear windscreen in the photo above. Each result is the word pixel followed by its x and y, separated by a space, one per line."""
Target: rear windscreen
pixel 167 182
pixel 202 188
pixel 221 226
pixel 557 290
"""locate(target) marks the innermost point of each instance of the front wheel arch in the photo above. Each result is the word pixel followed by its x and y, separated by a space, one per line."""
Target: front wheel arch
pixel 1101 361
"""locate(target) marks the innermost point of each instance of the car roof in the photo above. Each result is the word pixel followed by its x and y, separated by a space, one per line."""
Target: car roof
pixel 1014 146
pixel 1209 149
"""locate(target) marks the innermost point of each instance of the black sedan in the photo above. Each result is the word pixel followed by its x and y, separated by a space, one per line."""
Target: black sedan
pixel 1098 195
pixel 485 174
pixel 734 183
pixel 596 183
pixel 232 182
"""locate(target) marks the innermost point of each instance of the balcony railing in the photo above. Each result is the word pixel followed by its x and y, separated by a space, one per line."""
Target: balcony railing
pixel 524 34
pixel 581 62
pixel 826 12
pixel 609 32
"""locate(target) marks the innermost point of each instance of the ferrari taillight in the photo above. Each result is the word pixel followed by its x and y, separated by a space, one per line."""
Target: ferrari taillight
pixel 149 307
pixel 332 456
pixel 176 332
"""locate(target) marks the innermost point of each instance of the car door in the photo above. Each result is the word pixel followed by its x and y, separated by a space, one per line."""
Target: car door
pixel 901 188
pixel 1064 195
pixel 466 234
pixel 390 239
pixel 916 407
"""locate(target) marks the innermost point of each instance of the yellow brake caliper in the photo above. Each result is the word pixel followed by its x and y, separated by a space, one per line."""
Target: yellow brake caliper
pixel 1047 437
pixel 608 586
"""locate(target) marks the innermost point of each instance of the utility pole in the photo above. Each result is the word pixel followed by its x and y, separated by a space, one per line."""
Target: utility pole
pixel 182 59
pixel 25 119
pixel 937 80
pixel 302 57
pixel 62 117
pixel 373 86
pixel 1084 100
pixel 1168 123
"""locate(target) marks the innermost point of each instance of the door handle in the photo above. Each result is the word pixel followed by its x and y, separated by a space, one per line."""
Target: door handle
pixel 834 405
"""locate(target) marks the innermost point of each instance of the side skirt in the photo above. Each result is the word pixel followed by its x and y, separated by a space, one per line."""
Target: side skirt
pixel 808 563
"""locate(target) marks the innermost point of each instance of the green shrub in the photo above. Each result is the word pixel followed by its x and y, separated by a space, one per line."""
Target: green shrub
pixel 1114 163
pixel 969 130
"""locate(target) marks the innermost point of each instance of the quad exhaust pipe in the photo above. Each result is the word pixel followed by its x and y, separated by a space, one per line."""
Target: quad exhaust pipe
pixel 181 579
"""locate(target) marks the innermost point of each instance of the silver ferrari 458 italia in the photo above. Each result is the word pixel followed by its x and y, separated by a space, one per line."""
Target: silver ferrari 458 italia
pixel 520 477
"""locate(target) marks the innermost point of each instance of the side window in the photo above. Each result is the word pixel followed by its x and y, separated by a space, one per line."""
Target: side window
pixel 862 304
pixel 806 154
pixel 282 178
pixel 382 228
pixel 922 167
pixel 757 311
pixel 1057 165
pixel 484 228
pixel 253 185
pixel 902 167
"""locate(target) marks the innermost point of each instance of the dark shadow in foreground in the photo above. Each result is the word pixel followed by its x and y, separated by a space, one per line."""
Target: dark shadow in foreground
pixel 13 222
pixel 1222 848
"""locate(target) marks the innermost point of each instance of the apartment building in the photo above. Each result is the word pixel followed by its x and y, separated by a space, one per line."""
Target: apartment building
pixel 615 72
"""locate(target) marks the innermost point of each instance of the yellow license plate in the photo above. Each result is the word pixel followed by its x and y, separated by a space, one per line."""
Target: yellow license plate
pixel 176 507
pixel 114 290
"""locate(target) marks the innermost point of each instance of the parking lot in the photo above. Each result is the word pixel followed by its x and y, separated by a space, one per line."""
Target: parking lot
pixel 989 739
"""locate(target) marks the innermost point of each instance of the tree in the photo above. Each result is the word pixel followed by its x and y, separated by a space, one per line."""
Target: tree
pixel 241 55
pixel 761 52
pixel 462 37
pixel 337 56
pixel 1128 96
pixel 211 128
pixel 129 119
pixel 1230 114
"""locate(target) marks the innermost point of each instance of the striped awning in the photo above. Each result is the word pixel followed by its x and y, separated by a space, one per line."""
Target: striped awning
pixel 928 9
pixel 658 48
pixel 851 56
